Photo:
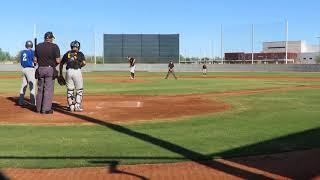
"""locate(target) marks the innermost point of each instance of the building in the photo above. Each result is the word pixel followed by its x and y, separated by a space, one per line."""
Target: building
pixel 306 53
pixel 146 48
pixel 263 57
pixel 275 52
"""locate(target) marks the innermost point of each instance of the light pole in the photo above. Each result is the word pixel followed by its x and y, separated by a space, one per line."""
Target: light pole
pixel 318 44
pixel 94 47
pixel 222 58
pixel 252 55
pixel 287 37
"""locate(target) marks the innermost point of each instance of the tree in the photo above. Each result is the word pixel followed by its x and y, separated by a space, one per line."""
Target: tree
pixel 4 56
pixel 318 59
pixel 16 59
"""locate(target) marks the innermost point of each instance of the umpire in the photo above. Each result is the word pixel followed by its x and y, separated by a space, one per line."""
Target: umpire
pixel 47 55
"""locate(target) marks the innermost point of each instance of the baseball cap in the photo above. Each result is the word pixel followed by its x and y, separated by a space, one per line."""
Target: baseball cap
pixel 49 35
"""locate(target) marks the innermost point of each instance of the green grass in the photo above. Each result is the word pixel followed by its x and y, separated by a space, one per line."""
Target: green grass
pixel 257 124
pixel 156 85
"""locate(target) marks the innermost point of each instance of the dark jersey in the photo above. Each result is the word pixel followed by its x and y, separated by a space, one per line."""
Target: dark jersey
pixel 46 54
pixel 73 59
pixel 171 65
pixel 132 62
pixel 204 66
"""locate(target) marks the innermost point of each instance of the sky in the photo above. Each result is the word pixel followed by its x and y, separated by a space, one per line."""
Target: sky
pixel 197 21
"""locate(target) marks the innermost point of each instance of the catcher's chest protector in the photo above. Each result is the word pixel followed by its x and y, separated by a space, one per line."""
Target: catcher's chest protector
pixel 72 56
pixel 73 60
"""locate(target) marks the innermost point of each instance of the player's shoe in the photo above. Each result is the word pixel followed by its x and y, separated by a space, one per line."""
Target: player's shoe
pixel 78 108
pixel 72 108
pixel 47 112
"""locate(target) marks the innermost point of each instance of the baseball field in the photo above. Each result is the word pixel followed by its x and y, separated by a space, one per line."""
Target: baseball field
pixel 152 120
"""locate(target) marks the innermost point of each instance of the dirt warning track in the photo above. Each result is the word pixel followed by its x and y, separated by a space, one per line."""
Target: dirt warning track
pixel 293 165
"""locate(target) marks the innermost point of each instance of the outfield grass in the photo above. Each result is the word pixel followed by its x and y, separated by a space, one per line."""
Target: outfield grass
pixel 257 124
pixel 156 84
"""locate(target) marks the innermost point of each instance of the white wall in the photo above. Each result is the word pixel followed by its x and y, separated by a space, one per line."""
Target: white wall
pixel 308 58
pixel 312 49
pixel 293 46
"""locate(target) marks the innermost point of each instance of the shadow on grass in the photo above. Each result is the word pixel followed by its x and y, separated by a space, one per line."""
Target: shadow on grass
pixel 188 154
pixel 274 145
pixel 294 165
pixel 113 169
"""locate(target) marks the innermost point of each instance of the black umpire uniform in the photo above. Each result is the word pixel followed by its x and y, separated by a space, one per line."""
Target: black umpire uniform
pixel 47 56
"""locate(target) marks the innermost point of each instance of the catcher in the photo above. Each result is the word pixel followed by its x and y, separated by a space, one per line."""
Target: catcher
pixel 75 60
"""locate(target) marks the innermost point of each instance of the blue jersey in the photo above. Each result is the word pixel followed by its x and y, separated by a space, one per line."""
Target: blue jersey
pixel 27 57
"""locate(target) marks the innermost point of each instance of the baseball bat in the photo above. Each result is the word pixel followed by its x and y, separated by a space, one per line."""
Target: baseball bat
pixel 35 44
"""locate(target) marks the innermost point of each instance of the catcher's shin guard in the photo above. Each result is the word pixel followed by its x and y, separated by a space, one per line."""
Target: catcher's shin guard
pixel 70 99
pixel 79 97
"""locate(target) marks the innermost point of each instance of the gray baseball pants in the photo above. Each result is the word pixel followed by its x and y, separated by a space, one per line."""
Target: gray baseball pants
pixel 45 89
pixel 28 79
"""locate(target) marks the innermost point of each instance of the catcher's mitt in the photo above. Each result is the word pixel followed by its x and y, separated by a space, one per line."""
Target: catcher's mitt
pixel 83 64
pixel 61 81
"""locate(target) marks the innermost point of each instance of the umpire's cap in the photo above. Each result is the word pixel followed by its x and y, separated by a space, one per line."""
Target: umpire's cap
pixel 29 44
pixel 49 35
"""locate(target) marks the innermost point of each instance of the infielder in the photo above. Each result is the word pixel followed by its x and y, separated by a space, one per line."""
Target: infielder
pixel 132 64
pixel 204 69
pixel 28 74
pixel 171 70
pixel 75 60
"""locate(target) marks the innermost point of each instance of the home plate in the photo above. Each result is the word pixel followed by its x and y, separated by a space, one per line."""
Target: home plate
pixel 139 104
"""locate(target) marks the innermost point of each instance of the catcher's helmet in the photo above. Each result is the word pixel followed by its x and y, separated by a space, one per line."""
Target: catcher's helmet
pixel 49 35
pixel 74 44
pixel 29 44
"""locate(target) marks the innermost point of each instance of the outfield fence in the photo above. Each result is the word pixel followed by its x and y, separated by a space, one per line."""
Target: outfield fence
pixel 193 67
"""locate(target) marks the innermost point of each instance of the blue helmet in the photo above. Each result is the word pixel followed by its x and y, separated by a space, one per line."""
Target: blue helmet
pixel 29 44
